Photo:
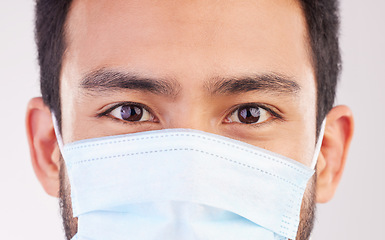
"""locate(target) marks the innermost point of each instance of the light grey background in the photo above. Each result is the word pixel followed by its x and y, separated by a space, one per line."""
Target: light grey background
pixel 356 212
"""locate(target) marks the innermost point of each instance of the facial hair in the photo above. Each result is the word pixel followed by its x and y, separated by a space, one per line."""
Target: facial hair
pixel 70 223
pixel 308 210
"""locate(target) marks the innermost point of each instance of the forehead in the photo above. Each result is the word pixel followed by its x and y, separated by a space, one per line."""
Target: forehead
pixel 187 38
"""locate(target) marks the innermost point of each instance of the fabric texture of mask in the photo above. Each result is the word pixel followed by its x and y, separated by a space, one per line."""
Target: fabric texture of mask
pixel 182 184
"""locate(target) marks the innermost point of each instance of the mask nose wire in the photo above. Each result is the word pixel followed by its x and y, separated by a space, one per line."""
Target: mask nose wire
pixel 59 138
pixel 318 145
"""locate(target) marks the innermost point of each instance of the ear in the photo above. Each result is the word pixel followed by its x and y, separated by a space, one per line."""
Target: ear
pixel 334 150
pixel 43 146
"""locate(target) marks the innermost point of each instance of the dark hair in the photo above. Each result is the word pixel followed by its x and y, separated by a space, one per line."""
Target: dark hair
pixel 50 39
pixel 322 17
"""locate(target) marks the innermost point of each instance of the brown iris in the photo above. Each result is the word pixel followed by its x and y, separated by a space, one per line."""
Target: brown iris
pixel 131 113
pixel 249 114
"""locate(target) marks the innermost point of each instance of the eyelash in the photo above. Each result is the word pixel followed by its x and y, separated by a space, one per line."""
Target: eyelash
pixel 110 109
pixel 106 113
pixel 259 105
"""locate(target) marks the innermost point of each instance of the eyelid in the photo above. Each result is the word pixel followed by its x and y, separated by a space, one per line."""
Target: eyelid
pixel 266 107
pixel 113 106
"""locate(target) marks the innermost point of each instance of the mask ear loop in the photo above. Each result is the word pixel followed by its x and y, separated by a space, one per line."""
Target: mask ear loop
pixel 59 138
pixel 318 145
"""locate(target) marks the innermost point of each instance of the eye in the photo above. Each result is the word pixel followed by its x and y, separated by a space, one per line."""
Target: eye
pixel 249 115
pixel 131 113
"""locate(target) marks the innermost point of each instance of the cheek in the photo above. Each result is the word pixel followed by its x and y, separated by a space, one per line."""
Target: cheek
pixel 296 141
pixel 295 145
pixel 302 145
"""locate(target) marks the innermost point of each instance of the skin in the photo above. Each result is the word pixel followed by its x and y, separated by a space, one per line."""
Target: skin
pixel 191 45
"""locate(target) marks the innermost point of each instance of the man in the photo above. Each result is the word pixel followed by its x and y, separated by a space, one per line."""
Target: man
pixel 262 72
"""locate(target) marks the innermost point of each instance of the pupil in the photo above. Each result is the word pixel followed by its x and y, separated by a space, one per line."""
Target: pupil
pixel 131 113
pixel 249 115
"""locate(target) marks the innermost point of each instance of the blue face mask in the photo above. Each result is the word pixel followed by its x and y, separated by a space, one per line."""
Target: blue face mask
pixel 183 184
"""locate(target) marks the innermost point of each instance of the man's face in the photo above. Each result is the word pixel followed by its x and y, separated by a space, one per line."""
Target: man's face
pixel 240 69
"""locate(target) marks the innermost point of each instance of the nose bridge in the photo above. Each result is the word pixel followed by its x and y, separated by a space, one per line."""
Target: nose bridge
pixel 190 117
pixel 192 112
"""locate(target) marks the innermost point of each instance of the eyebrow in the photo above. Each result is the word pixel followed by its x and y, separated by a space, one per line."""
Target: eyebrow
pixel 106 80
pixel 271 83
